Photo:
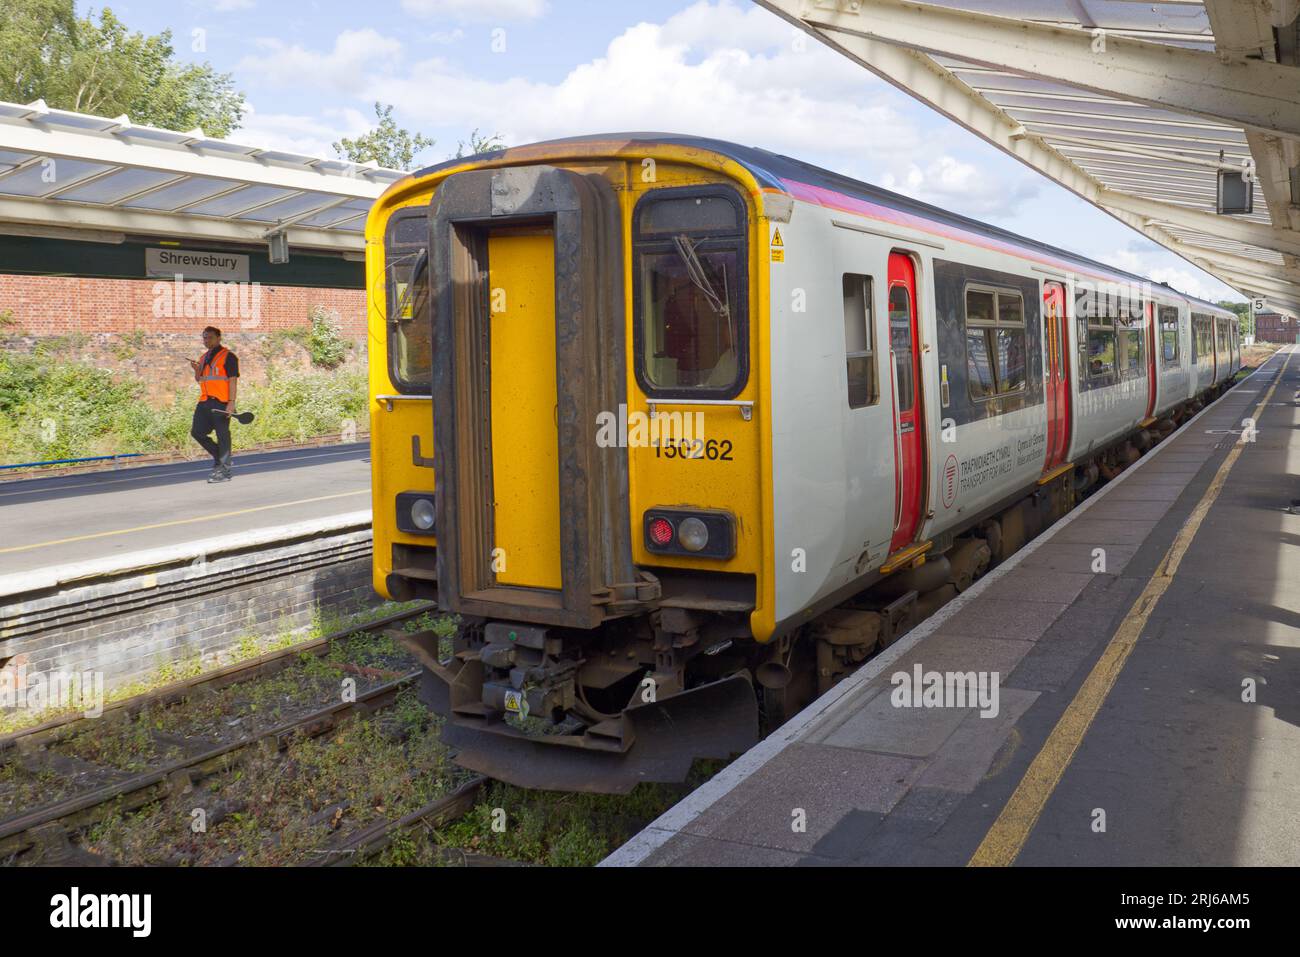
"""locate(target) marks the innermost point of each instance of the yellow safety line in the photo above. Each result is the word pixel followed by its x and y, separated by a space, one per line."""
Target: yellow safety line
pixel 1006 838
pixel 179 521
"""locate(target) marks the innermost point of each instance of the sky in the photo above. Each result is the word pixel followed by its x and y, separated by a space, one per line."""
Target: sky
pixel 531 70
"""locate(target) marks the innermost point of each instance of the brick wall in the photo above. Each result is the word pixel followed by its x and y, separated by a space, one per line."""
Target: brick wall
pixel 123 325
pixel 1269 327
pixel 127 628
pixel 59 305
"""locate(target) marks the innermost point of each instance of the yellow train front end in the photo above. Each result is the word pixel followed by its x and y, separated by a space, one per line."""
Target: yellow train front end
pixel 569 449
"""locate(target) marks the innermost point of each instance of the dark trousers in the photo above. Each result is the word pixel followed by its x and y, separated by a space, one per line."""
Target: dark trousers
pixel 208 420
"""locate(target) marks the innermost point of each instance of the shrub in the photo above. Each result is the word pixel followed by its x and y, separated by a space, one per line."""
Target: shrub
pixel 326 344
pixel 54 409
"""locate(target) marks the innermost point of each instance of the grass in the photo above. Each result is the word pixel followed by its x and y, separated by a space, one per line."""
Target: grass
pixel 53 407
pixel 551 828
pixel 247 647
pixel 285 809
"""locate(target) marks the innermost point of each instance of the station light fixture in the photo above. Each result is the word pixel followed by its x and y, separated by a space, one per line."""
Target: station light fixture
pixel 279 248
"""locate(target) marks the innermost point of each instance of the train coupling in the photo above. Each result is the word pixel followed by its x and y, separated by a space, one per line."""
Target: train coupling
pixel 523 672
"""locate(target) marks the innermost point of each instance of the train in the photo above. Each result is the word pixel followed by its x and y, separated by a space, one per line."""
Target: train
pixel 680 432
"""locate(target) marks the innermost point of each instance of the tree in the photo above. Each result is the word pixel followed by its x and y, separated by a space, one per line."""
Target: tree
pixel 479 144
pixel 1242 309
pixel 387 144
pixel 47 53
pixel 34 36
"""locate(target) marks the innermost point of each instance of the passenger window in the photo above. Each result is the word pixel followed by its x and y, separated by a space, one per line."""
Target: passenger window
pixel 900 341
pixel 690 293
pixel 1097 335
pixel 1169 334
pixel 1101 353
pixel 1134 354
pixel 859 341
pixel 996 354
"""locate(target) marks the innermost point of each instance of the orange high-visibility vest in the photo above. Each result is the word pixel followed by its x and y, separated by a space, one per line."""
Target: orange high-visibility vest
pixel 213 381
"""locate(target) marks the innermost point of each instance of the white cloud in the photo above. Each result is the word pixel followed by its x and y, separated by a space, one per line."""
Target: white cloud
pixel 481 10
pixel 961 187
pixel 447 37
pixel 689 75
pixel 228 6
pixel 1186 279
pixel 308 135
pixel 355 52
pixel 723 69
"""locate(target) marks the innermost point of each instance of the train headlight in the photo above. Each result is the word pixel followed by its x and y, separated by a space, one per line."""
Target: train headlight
pixel 422 514
pixel 698 533
pixel 415 513
pixel 693 535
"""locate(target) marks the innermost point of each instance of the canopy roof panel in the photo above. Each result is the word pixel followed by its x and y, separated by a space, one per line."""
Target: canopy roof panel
pixel 65 170
pixel 1135 105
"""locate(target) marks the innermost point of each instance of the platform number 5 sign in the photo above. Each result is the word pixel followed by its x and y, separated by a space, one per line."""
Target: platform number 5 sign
pixel 1258 305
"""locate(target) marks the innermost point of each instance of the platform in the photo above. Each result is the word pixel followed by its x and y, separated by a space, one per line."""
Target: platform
pixel 1147 713
pixel 48 522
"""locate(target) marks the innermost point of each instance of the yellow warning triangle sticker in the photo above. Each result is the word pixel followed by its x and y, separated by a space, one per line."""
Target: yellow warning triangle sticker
pixel 776 238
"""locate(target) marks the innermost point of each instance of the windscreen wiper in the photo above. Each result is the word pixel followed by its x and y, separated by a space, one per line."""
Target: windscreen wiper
pixel 408 296
pixel 699 278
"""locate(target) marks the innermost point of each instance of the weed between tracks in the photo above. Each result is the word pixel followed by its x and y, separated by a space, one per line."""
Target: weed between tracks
pixel 291 807
pixel 108 749
pixel 324 622
pixel 551 828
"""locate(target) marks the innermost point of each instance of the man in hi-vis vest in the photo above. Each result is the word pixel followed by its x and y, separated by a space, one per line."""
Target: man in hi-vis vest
pixel 217 374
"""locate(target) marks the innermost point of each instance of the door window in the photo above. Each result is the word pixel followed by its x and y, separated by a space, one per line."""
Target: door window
pixel 900 341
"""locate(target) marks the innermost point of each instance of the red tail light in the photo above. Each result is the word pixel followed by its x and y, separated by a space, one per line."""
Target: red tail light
pixel 661 532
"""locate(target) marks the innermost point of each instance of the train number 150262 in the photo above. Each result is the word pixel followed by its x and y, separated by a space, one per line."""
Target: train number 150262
pixel 712 450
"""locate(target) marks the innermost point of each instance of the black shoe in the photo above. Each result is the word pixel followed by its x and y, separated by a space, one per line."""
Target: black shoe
pixel 218 477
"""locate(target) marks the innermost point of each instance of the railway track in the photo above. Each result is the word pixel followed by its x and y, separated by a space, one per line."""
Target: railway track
pixel 370 842
pixel 52 826
pixel 59 728
pixel 100 789
pixel 137 816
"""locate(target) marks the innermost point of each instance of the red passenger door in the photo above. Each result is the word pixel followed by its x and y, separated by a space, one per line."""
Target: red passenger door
pixel 1057 329
pixel 909 460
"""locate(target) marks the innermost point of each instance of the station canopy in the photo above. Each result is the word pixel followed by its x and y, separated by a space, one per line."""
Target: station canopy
pixel 1134 105
pixel 73 175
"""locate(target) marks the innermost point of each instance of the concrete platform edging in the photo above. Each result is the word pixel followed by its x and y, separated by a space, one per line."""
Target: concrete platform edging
pixel 57 576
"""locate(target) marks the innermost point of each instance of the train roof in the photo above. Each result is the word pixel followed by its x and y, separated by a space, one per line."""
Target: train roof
pixel 775 171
